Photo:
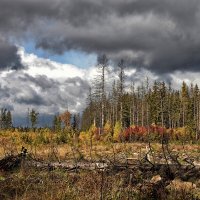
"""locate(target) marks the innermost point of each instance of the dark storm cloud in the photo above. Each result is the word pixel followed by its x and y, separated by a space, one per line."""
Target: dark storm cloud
pixel 41 81
pixel 9 58
pixel 162 36
pixel 34 99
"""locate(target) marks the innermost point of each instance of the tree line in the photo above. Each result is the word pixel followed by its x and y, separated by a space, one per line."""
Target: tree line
pixel 156 104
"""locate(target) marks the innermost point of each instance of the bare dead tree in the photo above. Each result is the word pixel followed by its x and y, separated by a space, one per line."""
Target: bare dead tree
pixel 121 66
pixel 102 63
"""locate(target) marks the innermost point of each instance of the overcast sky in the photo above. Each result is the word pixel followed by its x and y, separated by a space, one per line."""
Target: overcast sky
pixel 48 48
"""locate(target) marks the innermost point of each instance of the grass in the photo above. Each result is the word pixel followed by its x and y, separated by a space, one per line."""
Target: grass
pixel 28 182
pixel 31 184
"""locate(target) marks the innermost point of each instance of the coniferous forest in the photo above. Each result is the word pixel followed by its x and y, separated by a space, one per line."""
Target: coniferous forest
pixel 142 109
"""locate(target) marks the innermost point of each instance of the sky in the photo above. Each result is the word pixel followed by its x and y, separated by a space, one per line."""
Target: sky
pixel 48 48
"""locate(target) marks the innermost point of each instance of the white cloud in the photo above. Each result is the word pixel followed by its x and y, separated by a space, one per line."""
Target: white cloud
pixel 41 66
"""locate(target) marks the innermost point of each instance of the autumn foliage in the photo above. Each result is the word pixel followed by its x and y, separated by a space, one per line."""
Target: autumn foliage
pixel 141 133
pixel 65 118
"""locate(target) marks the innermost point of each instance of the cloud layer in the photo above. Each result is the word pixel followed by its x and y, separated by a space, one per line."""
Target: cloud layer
pixel 9 57
pixel 162 36
pixel 44 85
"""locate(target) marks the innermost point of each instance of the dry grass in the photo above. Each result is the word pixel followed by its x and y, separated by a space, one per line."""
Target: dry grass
pixel 29 183
pixel 12 144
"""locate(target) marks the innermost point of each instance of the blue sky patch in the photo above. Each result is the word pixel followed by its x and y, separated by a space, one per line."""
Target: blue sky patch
pixel 74 57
